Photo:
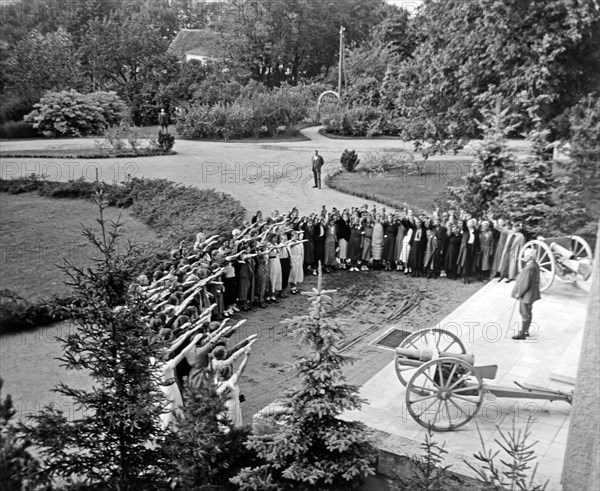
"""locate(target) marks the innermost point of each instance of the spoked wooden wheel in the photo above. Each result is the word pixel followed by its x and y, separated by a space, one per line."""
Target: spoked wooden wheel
pixel 434 339
pixel 545 259
pixel 581 249
pixel 444 394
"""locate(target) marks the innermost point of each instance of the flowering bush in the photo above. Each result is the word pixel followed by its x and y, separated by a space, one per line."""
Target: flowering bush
pixel 69 113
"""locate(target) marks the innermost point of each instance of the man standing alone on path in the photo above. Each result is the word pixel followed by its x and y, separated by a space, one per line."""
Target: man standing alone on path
pixel 317 165
pixel 163 120
pixel 527 291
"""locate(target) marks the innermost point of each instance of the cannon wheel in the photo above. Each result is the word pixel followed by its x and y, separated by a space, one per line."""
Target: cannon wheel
pixel 434 339
pixel 581 248
pixel 545 260
pixel 440 396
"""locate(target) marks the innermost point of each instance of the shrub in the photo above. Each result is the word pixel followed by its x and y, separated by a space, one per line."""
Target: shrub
pixel 15 108
pixel 381 162
pixel 257 110
pixel 360 121
pixel 349 160
pixel 69 113
pixel 17 129
pixel 117 135
pixel 18 314
pixel 165 142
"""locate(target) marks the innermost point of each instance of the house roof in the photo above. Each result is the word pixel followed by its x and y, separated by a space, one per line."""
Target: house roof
pixel 202 42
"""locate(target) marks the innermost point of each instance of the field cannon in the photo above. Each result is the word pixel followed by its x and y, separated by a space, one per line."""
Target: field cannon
pixel 444 388
pixel 568 257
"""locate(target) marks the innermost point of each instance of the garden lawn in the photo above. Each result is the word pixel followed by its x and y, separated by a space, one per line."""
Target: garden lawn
pixel 37 234
pixel 396 188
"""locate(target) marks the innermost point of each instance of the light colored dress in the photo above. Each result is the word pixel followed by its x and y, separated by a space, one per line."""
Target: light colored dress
pixel 275 270
pixel 377 241
pixel 231 390
pixel 297 263
pixel 406 246
pixel 170 389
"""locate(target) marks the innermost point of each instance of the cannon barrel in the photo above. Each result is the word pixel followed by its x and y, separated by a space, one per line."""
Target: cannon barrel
pixel 425 355
pixel 562 251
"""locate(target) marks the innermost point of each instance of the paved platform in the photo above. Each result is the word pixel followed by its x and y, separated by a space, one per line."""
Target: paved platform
pixel 482 323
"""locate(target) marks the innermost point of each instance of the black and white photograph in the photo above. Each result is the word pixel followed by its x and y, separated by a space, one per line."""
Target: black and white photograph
pixel 313 245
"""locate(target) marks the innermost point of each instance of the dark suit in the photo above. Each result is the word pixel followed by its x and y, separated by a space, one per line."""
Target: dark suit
pixel 527 291
pixel 317 164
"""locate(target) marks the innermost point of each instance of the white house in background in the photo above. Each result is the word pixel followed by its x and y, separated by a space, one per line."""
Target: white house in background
pixel 199 44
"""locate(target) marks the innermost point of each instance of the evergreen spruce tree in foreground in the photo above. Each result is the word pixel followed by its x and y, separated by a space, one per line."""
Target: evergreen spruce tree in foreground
pixel 113 441
pixel 315 449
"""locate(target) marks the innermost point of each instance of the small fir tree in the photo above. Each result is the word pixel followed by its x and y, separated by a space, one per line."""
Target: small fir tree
pixel 492 160
pixel 315 449
pixel 544 204
pixel 530 198
pixel 113 440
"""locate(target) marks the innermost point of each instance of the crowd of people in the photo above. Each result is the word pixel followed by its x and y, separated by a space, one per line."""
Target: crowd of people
pixel 200 287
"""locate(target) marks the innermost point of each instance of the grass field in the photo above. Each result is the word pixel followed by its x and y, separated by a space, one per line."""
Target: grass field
pixel 395 188
pixel 38 233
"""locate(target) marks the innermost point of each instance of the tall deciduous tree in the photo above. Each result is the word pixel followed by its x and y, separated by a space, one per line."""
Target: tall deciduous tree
pixel 315 449
pixel 41 62
pixel 535 54
pixel 127 53
pixel 114 440
pixel 284 40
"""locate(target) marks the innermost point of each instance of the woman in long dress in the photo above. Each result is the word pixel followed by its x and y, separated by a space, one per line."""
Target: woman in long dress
pixel 355 245
pixel 390 231
pixel 284 259
pixel 262 276
pixel 409 230
pixel 274 270
pixel 367 233
pixel 468 247
pixel 452 248
pixel 418 245
pixel 309 246
pixel 296 262
pixel 330 242
pixel 485 253
pixel 343 236
pixel 377 241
